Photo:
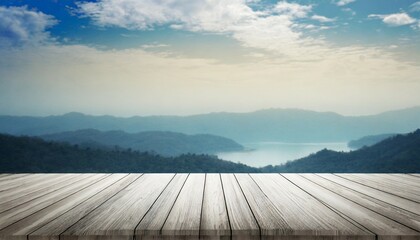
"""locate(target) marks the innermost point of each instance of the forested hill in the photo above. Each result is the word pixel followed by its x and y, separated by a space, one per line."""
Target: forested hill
pixel 34 155
pixel 162 143
pixel 398 154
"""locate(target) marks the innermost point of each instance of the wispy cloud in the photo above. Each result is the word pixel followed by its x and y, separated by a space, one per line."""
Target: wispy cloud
pixel 292 9
pixel 322 18
pixel 415 7
pixel 344 2
pixel 20 26
pixel 157 45
pixel 349 10
pixel 394 20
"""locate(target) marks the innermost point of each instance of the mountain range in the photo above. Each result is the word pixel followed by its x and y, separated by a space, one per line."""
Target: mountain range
pixel 162 143
pixel 35 155
pixel 286 125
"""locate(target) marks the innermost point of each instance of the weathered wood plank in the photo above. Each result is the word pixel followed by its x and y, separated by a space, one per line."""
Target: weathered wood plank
pixel 242 222
pixel 118 217
pixel 40 186
pixel 408 180
pixel 14 183
pixel 379 195
pixel 24 184
pixel 269 218
pixel 396 181
pixel 15 214
pixel 383 227
pixel 9 176
pixel 306 216
pixel 4 182
pixel 54 228
pixel 184 219
pixel 397 214
pixel 37 193
pixel 214 218
pixel 152 223
pixel 20 229
pixel 380 183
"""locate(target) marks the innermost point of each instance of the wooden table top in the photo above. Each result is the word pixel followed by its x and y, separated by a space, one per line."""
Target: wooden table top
pixel 209 206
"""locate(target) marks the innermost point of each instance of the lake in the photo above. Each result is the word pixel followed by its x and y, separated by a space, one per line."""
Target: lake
pixel 275 153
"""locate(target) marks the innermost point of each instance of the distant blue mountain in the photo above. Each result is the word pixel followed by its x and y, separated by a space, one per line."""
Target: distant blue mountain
pixel 369 140
pixel 287 125
pixel 162 143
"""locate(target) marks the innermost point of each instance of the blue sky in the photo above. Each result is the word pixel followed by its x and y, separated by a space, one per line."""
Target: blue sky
pixel 349 56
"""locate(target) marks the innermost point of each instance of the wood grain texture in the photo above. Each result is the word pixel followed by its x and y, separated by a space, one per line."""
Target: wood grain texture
pixel 269 218
pixel 242 221
pixel 22 228
pixel 395 213
pixel 14 183
pixel 13 176
pixel 8 180
pixel 36 187
pixel 152 223
pixel 303 213
pixel 383 227
pixel 118 217
pixel 54 228
pixel 374 193
pixel 214 217
pixel 410 180
pixel 380 183
pixel 184 219
pixel 38 193
pixel 15 214
pixel 29 182
pixel 209 206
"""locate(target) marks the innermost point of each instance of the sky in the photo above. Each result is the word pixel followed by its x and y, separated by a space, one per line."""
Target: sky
pixel 183 57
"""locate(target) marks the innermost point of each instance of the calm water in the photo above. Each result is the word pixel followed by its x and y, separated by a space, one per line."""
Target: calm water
pixel 275 153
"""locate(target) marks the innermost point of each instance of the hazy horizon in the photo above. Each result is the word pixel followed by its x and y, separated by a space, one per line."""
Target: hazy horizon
pixel 128 58
pixel 205 113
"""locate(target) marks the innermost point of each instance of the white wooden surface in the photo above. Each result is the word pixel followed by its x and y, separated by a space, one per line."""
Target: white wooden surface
pixel 209 206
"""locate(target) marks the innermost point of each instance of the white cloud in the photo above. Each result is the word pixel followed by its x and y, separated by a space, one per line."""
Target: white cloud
pixel 20 26
pixel 213 16
pixel 415 7
pixel 394 20
pixel 344 2
pixel 322 18
pixel 349 10
pixel 272 29
pixel 292 9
